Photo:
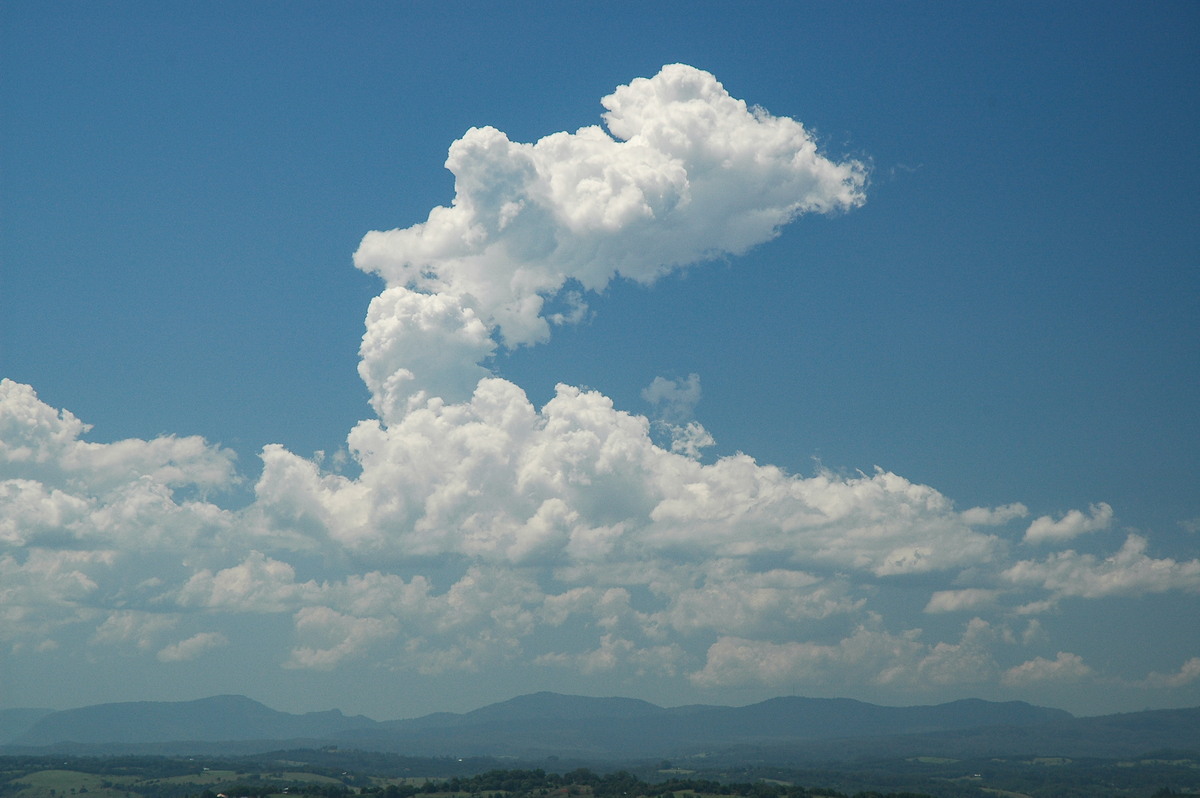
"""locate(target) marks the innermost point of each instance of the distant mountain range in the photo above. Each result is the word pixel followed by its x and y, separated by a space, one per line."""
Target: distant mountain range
pixel 534 727
pixel 216 719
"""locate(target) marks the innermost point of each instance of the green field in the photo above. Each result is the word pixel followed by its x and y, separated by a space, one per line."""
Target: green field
pixel 332 773
pixel 60 783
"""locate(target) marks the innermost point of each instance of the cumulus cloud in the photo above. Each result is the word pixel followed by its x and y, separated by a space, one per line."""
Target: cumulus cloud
pixel 331 637
pixel 193 647
pixel 969 661
pixel 132 626
pixel 674 400
pixel 1189 672
pixel 481 529
pixel 959 600
pixel 497 479
pixel 258 584
pixel 38 442
pixel 1129 572
pixel 82 523
pixel 42 591
pixel 731 600
pixel 615 652
pixel 994 516
pixel 1046 530
pixel 869 655
pixel 1066 668
pixel 684 173
pixel 577 495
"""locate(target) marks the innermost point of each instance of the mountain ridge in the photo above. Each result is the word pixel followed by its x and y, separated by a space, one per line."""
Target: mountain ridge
pixel 211 719
pixel 545 724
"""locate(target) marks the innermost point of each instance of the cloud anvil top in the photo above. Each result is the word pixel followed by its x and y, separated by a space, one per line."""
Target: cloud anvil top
pixel 577 540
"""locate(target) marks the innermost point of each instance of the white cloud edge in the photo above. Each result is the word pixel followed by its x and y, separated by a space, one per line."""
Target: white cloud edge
pixel 92 492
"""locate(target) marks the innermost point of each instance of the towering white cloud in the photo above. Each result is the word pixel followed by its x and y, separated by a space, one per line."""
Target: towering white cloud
pixel 481 529
pixel 576 496
pixel 684 173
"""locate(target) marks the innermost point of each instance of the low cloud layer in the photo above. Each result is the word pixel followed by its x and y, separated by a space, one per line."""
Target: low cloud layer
pixel 483 530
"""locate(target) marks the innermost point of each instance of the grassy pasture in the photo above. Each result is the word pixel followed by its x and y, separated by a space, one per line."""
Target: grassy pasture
pixel 76 784
pixel 60 783
pixel 202 779
pixel 299 775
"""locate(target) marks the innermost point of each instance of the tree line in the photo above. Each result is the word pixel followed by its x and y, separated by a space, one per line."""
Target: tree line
pixel 619 784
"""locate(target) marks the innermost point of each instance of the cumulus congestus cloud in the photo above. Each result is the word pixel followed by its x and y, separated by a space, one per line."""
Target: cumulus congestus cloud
pixel 481 529
pixel 684 173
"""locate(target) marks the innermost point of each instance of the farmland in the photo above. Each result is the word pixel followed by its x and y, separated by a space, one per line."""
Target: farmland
pixel 330 773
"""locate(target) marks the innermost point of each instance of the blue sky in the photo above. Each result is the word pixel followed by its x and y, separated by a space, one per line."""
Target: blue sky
pixel 941 441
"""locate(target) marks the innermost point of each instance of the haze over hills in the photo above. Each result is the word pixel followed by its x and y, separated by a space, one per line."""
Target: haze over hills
pixel 14 722
pixel 545 724
pixel 541 725
pixel 219 718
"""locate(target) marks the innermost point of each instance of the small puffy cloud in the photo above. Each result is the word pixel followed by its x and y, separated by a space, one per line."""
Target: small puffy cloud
pixel 1037 607
pixel 82 525
pixel 39 442
pixel 674 400
pixel 690 439
pixel 31 512
pixel 731 600
pixel 739 661
pixel 1066 668
pixel 1034 632
pixel 480 618
pixel 1129 572
pixel 869 655
pixel 1046 530
pixel 969 661
pixel 193 647
pixel 329 637
pixel 960 600
pixel 1189 672
pixel 615 652
pixel 58 491
pixel 42 590
pixel 418 346
pixel 258 584
pixel 994 516
pixel 131 626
